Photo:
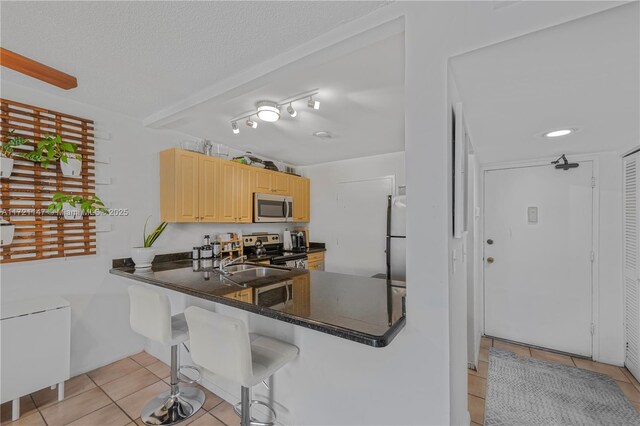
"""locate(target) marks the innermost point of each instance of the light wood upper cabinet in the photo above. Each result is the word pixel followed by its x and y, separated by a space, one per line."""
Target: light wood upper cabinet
pixel 270 182
pixel 179 186
pixel 244 194
pixel 209 193
pixel 198 188
pixel 280 183
pixel 227 199
pixel 261 181
pixel 301 197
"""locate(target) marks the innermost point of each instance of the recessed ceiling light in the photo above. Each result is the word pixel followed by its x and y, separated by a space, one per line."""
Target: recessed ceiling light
pixel 268 111
pixel 556 133
pixel 323 134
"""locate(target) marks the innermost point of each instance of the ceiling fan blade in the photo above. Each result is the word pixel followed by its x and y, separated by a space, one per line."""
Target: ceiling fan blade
pixel 37 70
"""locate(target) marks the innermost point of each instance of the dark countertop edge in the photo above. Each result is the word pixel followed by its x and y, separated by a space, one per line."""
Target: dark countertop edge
pixel 355 336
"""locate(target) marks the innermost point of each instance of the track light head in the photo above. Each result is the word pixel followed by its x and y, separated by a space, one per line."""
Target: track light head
pixel 252 124
pixel 234 128
pixel 292 112
pixel 313 104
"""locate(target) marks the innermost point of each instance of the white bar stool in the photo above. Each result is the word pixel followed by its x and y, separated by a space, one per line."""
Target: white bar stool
pixel 224 346
pixel 150 316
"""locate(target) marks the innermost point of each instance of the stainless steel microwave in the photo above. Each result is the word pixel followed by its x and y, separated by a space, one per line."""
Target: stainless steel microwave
pixel 272 208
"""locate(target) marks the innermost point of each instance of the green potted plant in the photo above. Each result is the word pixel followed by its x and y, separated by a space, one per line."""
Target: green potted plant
pixel 7 229
pixel 53 148
pixel 6 153
pixel 74 206
pixel 143 256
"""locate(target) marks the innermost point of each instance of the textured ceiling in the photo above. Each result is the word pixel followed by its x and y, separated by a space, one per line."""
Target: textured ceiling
pixel 362 105
pixel 584 74
pixel 138 57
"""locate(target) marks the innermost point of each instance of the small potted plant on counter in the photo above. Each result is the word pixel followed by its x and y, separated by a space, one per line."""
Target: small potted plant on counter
pixel 7 229
pixel 6 153
pixel 143 256
pixel 74 206
pixel 53 148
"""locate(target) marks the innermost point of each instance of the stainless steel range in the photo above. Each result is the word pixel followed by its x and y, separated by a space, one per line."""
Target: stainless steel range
pixel 272 245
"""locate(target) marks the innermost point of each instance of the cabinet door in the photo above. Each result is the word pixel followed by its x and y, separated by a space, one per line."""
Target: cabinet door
pixel 297 187
pixel 301 296
pixel 244 195
pixel 186 186
pixel 209 189
pixel 227 195
pixel 261 180
pixel 280 183
pixel 306 200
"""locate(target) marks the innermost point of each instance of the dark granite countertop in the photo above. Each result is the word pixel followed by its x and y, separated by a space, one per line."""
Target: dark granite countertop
pixel 361 309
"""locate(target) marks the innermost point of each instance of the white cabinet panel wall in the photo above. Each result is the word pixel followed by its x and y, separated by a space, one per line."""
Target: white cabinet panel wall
pixel 35 346
pixel 631 209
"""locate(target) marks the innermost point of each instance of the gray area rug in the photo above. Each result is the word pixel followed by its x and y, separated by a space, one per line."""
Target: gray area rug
pixel 526 391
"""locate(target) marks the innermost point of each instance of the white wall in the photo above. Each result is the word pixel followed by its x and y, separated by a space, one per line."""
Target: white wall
pixel 325 186
pixel 100 330
pixel 406 383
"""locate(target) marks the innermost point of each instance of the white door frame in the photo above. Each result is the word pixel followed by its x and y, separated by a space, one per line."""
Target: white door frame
pixel 595 265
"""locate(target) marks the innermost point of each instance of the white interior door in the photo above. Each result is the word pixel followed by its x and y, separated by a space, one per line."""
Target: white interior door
pixel 538 256
pixel 631 208
pixel 361 231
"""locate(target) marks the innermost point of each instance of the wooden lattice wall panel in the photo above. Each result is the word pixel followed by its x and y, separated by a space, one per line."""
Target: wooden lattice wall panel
pixel 26 194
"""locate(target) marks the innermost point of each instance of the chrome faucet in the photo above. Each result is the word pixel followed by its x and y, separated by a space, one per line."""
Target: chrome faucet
pixel 228 261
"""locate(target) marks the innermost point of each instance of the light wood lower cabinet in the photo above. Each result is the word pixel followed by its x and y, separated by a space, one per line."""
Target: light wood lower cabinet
pixel 315 261
pixel 199 188
pixel 245 295
pixel 301 296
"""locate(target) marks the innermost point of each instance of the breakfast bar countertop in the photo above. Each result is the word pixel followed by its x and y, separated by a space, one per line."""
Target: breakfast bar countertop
pixel 366 310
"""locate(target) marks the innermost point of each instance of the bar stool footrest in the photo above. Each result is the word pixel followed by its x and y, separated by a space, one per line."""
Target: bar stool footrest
pixel 238 409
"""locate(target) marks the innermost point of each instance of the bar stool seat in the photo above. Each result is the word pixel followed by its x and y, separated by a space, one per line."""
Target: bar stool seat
pixel 267 356
pixel 223 346
pixel 150 316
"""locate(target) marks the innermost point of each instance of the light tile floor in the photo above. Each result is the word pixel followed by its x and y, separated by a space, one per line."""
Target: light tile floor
pixel 477 380
pixel 112 395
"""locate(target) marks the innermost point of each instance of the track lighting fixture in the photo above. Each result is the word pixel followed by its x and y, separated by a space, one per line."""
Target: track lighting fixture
pixel 269 111
pixel 313 104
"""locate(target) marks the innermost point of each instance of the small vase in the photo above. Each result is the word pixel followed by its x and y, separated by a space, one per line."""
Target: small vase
pixel 71 212
pixel 143 256
pixel 6 166
pixel 72 168
pixel 7 230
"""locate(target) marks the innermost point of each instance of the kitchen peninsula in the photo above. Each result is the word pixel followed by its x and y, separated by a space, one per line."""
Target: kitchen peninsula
pixel 365 310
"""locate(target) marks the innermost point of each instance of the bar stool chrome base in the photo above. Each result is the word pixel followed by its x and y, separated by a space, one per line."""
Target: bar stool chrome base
pixel 247 419
pixel 169 409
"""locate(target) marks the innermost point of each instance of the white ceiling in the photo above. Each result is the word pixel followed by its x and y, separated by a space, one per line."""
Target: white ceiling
pixel 361 104
pixel 138 57
pixel 583 74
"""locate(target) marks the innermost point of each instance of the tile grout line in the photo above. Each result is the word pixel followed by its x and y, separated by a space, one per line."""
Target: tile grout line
pixel 111 399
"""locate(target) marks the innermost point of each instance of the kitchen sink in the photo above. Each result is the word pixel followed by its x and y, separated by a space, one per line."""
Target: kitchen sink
pixel 252 273
pixel 239 268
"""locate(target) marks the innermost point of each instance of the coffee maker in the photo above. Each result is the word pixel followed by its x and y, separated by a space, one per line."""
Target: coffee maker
pixel 298 241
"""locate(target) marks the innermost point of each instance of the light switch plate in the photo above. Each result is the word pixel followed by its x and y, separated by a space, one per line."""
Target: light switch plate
pixel 532 215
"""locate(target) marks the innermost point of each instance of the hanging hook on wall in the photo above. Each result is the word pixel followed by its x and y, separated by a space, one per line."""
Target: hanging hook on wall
pixel 565 165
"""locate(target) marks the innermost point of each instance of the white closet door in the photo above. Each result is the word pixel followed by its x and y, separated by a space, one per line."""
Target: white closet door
pixel 631 208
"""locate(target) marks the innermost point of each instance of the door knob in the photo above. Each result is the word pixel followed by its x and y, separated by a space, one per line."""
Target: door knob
pixel 489 259
pixel 489 241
